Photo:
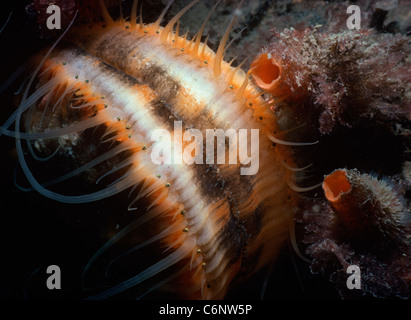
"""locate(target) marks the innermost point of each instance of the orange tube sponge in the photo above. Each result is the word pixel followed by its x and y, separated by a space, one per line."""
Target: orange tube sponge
pixel 369 209
pixel 267 73
pixel 272 74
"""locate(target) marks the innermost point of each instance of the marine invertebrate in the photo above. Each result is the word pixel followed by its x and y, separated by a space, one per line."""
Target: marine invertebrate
pixel 95 100
pixel 350 91
pixel 369 142
pixel 366 223
pixel 324 75
pixel 368 209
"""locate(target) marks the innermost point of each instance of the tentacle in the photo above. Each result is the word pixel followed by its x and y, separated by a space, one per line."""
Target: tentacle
pixel 165 263
pixel 161 283
pixel 295 169
pixel 120 166
pixel 170 25
pixel 27 102
pixel 146 191
pixel 236 36
pixel 266 279
pixel 133 19
pixel 121 18
pixel 42 159
pixel 55 133
pixel 165 233
pixel 67 90
pixel 89 104
pixel 16 183
pixel 16 74
pixel 29 145
pixel 156 24
pixel 109 154
pixel 114 189
pixel 141 16
pixel 241 90
pixel 202 28
pixel 95 196
pixel 221 48
pixel 7 21
pixel 126 175
pixel 300 189
pixel 159 198
pixel 231 78
pixel 288 143
pixel 204 47
pixel 152 214
pixel 293 241
pixel 106 16
pixel 292 129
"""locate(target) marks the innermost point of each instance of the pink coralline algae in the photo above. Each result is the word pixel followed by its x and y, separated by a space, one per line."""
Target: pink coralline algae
pixel 338 78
